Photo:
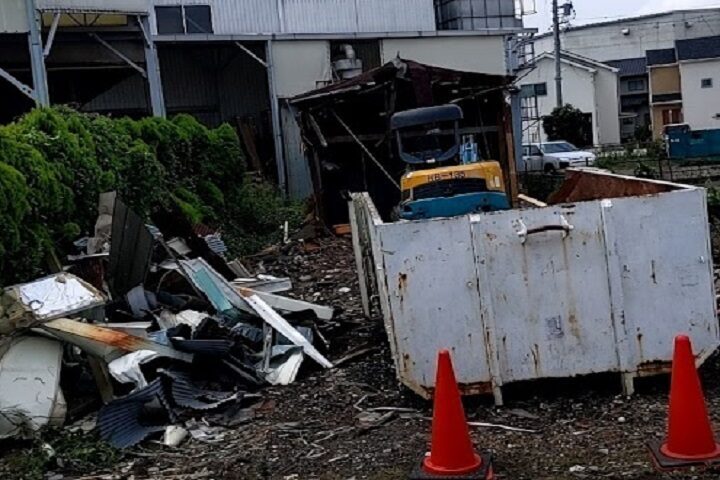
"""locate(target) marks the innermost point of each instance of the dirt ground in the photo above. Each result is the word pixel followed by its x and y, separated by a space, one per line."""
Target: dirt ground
pixel 319 428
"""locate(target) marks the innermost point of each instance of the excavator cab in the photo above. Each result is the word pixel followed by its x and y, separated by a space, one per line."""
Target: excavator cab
pixel 445 176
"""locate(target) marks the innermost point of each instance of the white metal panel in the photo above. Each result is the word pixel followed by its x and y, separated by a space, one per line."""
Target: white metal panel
pixel 316 16
pixel 319 16
pixel 396 16
pixel 665 264
pixel 467 54
pixel 30 385
pixel 300 66
pixel 701 106
pixel 434 301
pixel 13 16
pixel 549 294
pixel 123 6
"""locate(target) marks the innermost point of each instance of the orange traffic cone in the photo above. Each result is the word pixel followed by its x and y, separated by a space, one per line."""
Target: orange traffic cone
pixel 690 440
pixel 452 455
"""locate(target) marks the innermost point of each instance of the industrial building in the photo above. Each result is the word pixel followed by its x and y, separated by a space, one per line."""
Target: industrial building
pixel 238 61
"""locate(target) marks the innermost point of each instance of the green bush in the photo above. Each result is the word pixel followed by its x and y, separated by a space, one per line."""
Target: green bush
pixel 54 162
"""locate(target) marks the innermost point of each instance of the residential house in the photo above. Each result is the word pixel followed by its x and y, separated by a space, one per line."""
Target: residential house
pixel 623 44
pixel 684 84
pixel 634 100
pixel 589 85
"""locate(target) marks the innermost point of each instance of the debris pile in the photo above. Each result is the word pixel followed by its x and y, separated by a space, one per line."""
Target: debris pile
pixel 179 340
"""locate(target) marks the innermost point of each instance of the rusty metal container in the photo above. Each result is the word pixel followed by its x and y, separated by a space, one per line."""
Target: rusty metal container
pixel 599 281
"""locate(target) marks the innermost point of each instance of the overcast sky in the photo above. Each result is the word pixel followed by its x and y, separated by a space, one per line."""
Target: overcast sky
pixel 590 11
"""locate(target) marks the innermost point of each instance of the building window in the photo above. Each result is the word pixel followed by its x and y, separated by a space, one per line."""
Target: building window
pixel 183 19
pixel 169 20
pixel 636 85
pixel 197 19
pixel 628 121
pixel 706 83
pixel 534 89
pixel 672 116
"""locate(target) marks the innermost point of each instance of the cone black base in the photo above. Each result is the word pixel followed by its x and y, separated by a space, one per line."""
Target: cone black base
pixel 485 472
pixel 665 464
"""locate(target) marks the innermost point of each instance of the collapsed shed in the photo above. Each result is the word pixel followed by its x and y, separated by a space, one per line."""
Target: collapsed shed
pixel 346 129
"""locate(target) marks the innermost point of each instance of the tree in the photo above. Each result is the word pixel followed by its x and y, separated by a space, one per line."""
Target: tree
pixel 567 123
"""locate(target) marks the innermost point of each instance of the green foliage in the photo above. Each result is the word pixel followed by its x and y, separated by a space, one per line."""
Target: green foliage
pixel 54 162
pixel 566 123
pixel 78 453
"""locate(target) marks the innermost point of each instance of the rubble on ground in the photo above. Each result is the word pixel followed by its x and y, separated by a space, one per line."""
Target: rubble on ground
pixel 179 340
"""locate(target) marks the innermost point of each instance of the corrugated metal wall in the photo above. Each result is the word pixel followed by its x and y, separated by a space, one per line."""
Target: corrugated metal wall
pixel 13 18
pixel 316 16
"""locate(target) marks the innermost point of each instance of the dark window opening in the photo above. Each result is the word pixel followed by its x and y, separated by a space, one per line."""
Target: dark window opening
pixel 169 20
pixel 188 19
pixel 706 83
pixel 534 89
pixel 198 19
pixel 636 85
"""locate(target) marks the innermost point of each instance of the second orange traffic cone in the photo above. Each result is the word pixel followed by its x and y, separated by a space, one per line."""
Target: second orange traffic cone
pixel 690 440
pixel 452 455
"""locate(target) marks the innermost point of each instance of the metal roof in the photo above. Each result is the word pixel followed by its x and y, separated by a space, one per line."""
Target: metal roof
pixel 698 48
pixel 663 56
pixel 630 67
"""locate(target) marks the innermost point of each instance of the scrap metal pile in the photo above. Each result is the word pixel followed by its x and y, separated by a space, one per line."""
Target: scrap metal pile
pixel 177 339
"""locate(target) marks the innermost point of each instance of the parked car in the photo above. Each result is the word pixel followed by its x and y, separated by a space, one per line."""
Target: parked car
pixel 553 156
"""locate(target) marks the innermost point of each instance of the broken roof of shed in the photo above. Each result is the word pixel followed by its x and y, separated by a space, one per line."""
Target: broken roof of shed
pixel 400 68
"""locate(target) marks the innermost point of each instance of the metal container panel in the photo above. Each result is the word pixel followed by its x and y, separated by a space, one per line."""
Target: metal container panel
pixel 434 300
pixel 13 16
pixel 546 296
pixel 665 270
pixel 607 296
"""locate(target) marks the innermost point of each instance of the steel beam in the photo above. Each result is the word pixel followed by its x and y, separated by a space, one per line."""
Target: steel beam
pixel 18 84
pixel 51 35
pixel 118 54
pixel 250 52
pixel 37 60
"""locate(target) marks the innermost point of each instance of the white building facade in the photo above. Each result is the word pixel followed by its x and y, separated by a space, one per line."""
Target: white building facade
pixel 632 37
pixel 587 85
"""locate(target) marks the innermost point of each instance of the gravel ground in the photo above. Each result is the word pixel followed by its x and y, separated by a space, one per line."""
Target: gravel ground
pixel 324 426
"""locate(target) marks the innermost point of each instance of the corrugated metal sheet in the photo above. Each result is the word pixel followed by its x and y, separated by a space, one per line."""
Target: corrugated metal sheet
pixel 316 16
pixel 13 18
pixel 396 15
pixel 124 6
pixel 128 94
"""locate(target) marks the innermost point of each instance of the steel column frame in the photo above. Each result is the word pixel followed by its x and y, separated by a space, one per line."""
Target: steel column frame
pixel 275 111
pixel 41 91
pixel 152 64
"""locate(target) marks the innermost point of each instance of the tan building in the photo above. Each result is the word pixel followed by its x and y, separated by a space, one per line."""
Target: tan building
pixel 665 89
pixel 683 83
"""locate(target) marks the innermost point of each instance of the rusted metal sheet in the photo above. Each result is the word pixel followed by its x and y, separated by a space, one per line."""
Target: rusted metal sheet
pixel 580 186
pixel 598 285
pixel 104 342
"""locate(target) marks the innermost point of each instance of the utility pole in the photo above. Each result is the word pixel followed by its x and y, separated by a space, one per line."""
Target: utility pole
pixel 558 64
